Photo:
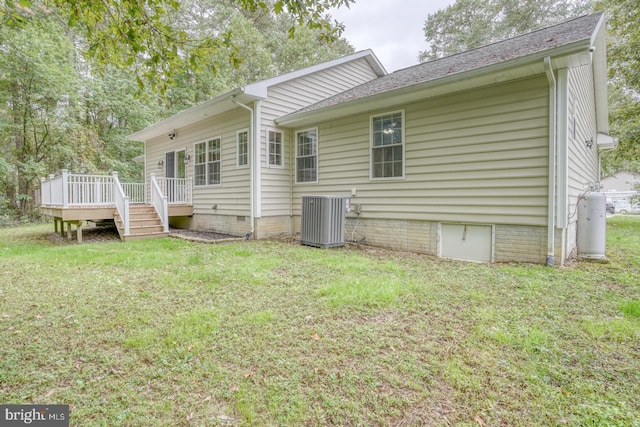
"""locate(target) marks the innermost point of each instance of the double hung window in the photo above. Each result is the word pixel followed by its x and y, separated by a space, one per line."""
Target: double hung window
pixel 307 156
pixel 243 148
pixel 207 168
pixel 387 146
pixel 274 147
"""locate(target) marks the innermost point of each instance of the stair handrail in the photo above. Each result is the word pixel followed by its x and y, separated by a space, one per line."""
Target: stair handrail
pixel 160 203
pixel 121 200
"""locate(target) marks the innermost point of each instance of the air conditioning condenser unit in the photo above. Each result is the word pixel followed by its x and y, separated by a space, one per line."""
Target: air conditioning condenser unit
pixel 323 220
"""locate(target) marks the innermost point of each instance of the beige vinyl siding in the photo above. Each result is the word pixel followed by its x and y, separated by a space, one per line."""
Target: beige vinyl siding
pixel 276 180
pixel 478 157
pixel 286 98
pixel 292 95
pixel 232 194
pixel 583 161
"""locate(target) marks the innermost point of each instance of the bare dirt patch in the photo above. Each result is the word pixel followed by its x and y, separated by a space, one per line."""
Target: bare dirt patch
pixel 202 236
pixel 100 233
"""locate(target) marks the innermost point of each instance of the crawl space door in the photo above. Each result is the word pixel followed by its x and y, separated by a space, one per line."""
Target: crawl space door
pixel 466 242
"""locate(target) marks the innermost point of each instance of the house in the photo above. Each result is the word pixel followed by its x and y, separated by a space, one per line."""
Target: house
pixel 623 181
pixel 619 190
pixel 479 156
pixel 213 146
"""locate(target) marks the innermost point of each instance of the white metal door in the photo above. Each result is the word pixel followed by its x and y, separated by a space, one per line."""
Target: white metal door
pixel 467 242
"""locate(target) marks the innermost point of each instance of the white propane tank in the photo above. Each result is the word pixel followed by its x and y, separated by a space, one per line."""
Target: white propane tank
pixel 592 225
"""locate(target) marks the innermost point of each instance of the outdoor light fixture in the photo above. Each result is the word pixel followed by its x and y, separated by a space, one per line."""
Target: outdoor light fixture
pixel 187 158
pixel 160 164
pixel 589 143
pixel 172 134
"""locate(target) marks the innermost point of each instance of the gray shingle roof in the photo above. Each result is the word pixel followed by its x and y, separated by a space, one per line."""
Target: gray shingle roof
pixel 563 34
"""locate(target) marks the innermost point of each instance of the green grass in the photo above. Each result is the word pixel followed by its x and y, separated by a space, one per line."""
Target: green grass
pixel 167 332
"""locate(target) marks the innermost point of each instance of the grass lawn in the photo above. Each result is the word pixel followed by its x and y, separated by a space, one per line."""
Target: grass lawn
pixel 171 333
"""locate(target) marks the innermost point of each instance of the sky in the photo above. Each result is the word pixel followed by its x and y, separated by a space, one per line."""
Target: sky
pixel 391 28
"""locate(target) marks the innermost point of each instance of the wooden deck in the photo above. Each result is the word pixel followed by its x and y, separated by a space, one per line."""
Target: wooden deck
pixel 139 210
pixel 64 219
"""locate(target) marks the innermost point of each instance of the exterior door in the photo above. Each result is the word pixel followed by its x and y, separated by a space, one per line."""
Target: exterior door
pixel 170 162
pixel 174 172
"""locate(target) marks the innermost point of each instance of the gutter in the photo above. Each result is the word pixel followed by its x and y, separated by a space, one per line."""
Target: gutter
pixel 551 225
pixel 167 124
pixel 251 160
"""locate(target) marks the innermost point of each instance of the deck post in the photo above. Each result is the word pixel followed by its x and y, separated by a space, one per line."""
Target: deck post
pixel 51 176
pixel 65 188
pixel 42 181
pixel 79 230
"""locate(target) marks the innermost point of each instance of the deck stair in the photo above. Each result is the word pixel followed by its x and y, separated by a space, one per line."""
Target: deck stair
pixel 144 223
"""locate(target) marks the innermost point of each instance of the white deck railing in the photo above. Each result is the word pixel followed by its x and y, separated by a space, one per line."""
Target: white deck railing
pixel 160 202
pixel 89 190
pixel 136 191
pixel 76 190
pixel 177 190
pixel 70 190
pixel 121 200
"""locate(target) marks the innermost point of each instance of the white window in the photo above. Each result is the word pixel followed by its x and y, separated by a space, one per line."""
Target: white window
pixel 307 155
pixel 243 148
pixel 387 145
pixel 274 147
pixel 207 162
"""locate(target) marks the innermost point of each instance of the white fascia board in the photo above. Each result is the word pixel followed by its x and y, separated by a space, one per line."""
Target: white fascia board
pixel 193 115
pixel 183 118
pixel 452 83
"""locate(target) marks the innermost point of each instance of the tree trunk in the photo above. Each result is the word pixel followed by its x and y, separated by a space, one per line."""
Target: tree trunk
pixel 18 141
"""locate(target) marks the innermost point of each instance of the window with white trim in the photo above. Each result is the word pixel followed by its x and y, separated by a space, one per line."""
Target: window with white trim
pixel 387 145
pixel 207 162
pixel 243 148
pixel 274 147
pixel 307 155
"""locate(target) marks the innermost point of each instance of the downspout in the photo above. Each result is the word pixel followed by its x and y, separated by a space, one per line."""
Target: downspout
pixel 562 160
pixel 147 187
pixel 257 159
pixel 251 163
pixel 551 225
pixel 292 178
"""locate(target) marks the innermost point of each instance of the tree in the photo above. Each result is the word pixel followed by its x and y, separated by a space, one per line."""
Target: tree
pixel 35 90
pixel 262 40
pixel 623 36
pixel 56 114
pixel 126 33
pixel 60 109
pixel 109 114
pixel 471 23
pixel 468 24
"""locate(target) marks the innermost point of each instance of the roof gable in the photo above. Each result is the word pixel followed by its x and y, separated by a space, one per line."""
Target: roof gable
pixel 246 94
